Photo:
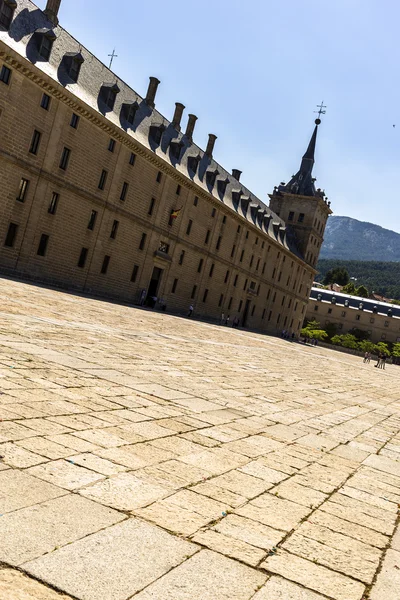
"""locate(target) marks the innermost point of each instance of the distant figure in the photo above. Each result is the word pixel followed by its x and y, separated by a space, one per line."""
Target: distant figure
pixel 383 361
pixel 227 321
pixel 222 319
pixel 190 310
pixel 235 322
pixel 378 364
pixel 365 357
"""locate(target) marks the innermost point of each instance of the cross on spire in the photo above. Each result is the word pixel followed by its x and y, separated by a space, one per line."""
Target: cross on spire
pixel 113 55
pixel 321 110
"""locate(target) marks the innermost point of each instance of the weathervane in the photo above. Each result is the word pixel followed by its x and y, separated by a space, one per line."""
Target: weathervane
pixel 321 110
pixel 113 55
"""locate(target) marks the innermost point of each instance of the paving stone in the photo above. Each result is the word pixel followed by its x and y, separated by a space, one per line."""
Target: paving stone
pixel 381 463
pixel 388 581
pixel 240 483
pixel 313 576
pixel 125 492
pixel 14 585
pixel 277 588
pixel 358 532
pixel 65 474
pixel 30 532
pixel 17 457
pixel 257 469
pixel 113 564
pixel 231 547
pixel 97 464
pixel 249 531
pixel 215 461
pixel 299 493
pixel 274 512
pixel 208 488
pixel 18 490
pixel 208 576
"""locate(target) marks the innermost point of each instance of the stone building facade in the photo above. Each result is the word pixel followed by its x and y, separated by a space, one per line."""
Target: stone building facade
pixel 101 193
pixel 380 320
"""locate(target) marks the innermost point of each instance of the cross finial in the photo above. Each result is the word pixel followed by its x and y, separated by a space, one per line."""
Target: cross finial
pixel 321 108
pixel 113 55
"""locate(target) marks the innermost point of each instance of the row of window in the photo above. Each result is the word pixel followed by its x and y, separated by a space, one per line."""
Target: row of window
pixel 357 317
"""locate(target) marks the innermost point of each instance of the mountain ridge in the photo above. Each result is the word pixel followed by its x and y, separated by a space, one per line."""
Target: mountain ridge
pixel 350 239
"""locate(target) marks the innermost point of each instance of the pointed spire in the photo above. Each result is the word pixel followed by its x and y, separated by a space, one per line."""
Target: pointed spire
pixel 303 182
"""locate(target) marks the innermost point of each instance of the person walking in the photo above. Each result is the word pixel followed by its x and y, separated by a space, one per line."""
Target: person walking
pixel 227 321
pixel 190 310
pixel 222 319
pixel 378 364
pixel 365 357
pixel 383 361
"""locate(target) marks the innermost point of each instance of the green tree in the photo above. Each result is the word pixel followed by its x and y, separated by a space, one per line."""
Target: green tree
pixel 367 346
pixel 337 340
pixel 338 275
pixel 362 292
pixel 382 348
pixel 349 341
pixel 396 349
pixel 313 331
pixel 360 334
pixel 350 288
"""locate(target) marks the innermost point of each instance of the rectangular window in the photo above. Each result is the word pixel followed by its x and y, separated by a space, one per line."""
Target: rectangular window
pixel 207 236
pixel 195 201
pixel 11 235
pixel 230 303
pixel 142 241
pixel 343 314
pixel 301 218
pixel 241 256
pixel 7 12
pixel 189 227
pixel 291 216
pixel 211 270
pixel 386 323
pixel 283 301
pixel 159 177
pixel 5 75
pixel 173 290
pixel 92 220
pixel 83 257
pixel 245 284
pixel 163 247
pixel 233 250
pixel 181 257
pixel 273 273
pixel 263 269
pixel 199 268
pixel 134 273
pixel 218 243
pixel 178 190
pixel 53 203
pixel 104 266
pixel 258 264
pixel 23 189
pixel 111 145
pixel 226 276
pixel 240 305
pixel 247 235
pixel 221 299
pixel 45 47
pixel 74 121
pixel 205 295
pixel 329 311
pixel 224 220
pixel 194 290
pixel 132 159
pixel 45 103
pixel 238 229
pixel 278 319
pixel 151 206
pixel 103 179
pixel 263 315
pixel 65 158
pixel 34 147
pixel 213 212
pixel 279 276
pixel 114 230
pixel 269 315
pixel 124 191
pixel 44 239
pixel 235 280
pixel 357 317
pixel 372 320
pixel 251 260
pixel 252 310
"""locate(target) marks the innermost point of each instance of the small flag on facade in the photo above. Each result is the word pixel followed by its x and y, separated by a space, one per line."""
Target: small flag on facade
pixel 174 214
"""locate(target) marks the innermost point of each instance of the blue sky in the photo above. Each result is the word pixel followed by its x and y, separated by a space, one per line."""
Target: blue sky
pixel 253 71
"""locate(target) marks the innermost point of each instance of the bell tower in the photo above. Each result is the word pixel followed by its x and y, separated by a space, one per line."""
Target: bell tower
pixel 304 208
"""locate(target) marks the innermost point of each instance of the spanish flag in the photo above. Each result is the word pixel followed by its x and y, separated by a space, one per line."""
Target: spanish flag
pixel 175 213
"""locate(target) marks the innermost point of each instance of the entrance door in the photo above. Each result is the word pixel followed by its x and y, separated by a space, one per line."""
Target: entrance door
pixel 245 313
pixel 154 285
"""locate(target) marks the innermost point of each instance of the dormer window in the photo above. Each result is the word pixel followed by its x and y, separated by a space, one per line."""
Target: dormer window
pixel 108 94
pixel 212 176
pixel 129 112
pixel 176 148
pixel 156 132
pixel 73 62
pixel 7 8
pixel 193 162
pixel 45 39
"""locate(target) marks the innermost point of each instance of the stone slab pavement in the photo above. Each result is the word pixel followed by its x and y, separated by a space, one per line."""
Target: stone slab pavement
pixel 150 457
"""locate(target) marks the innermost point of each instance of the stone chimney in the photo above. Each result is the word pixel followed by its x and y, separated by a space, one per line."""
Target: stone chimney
pixel 236 174
pixel 210 145
pixel 190 126
pixel 51 10
pixel 151 91
pixel 176 121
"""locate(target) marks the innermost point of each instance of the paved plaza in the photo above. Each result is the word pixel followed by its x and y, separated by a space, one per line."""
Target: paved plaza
pixel 153 457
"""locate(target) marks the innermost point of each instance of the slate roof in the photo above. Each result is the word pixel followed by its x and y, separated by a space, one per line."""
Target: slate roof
pixel 348 301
